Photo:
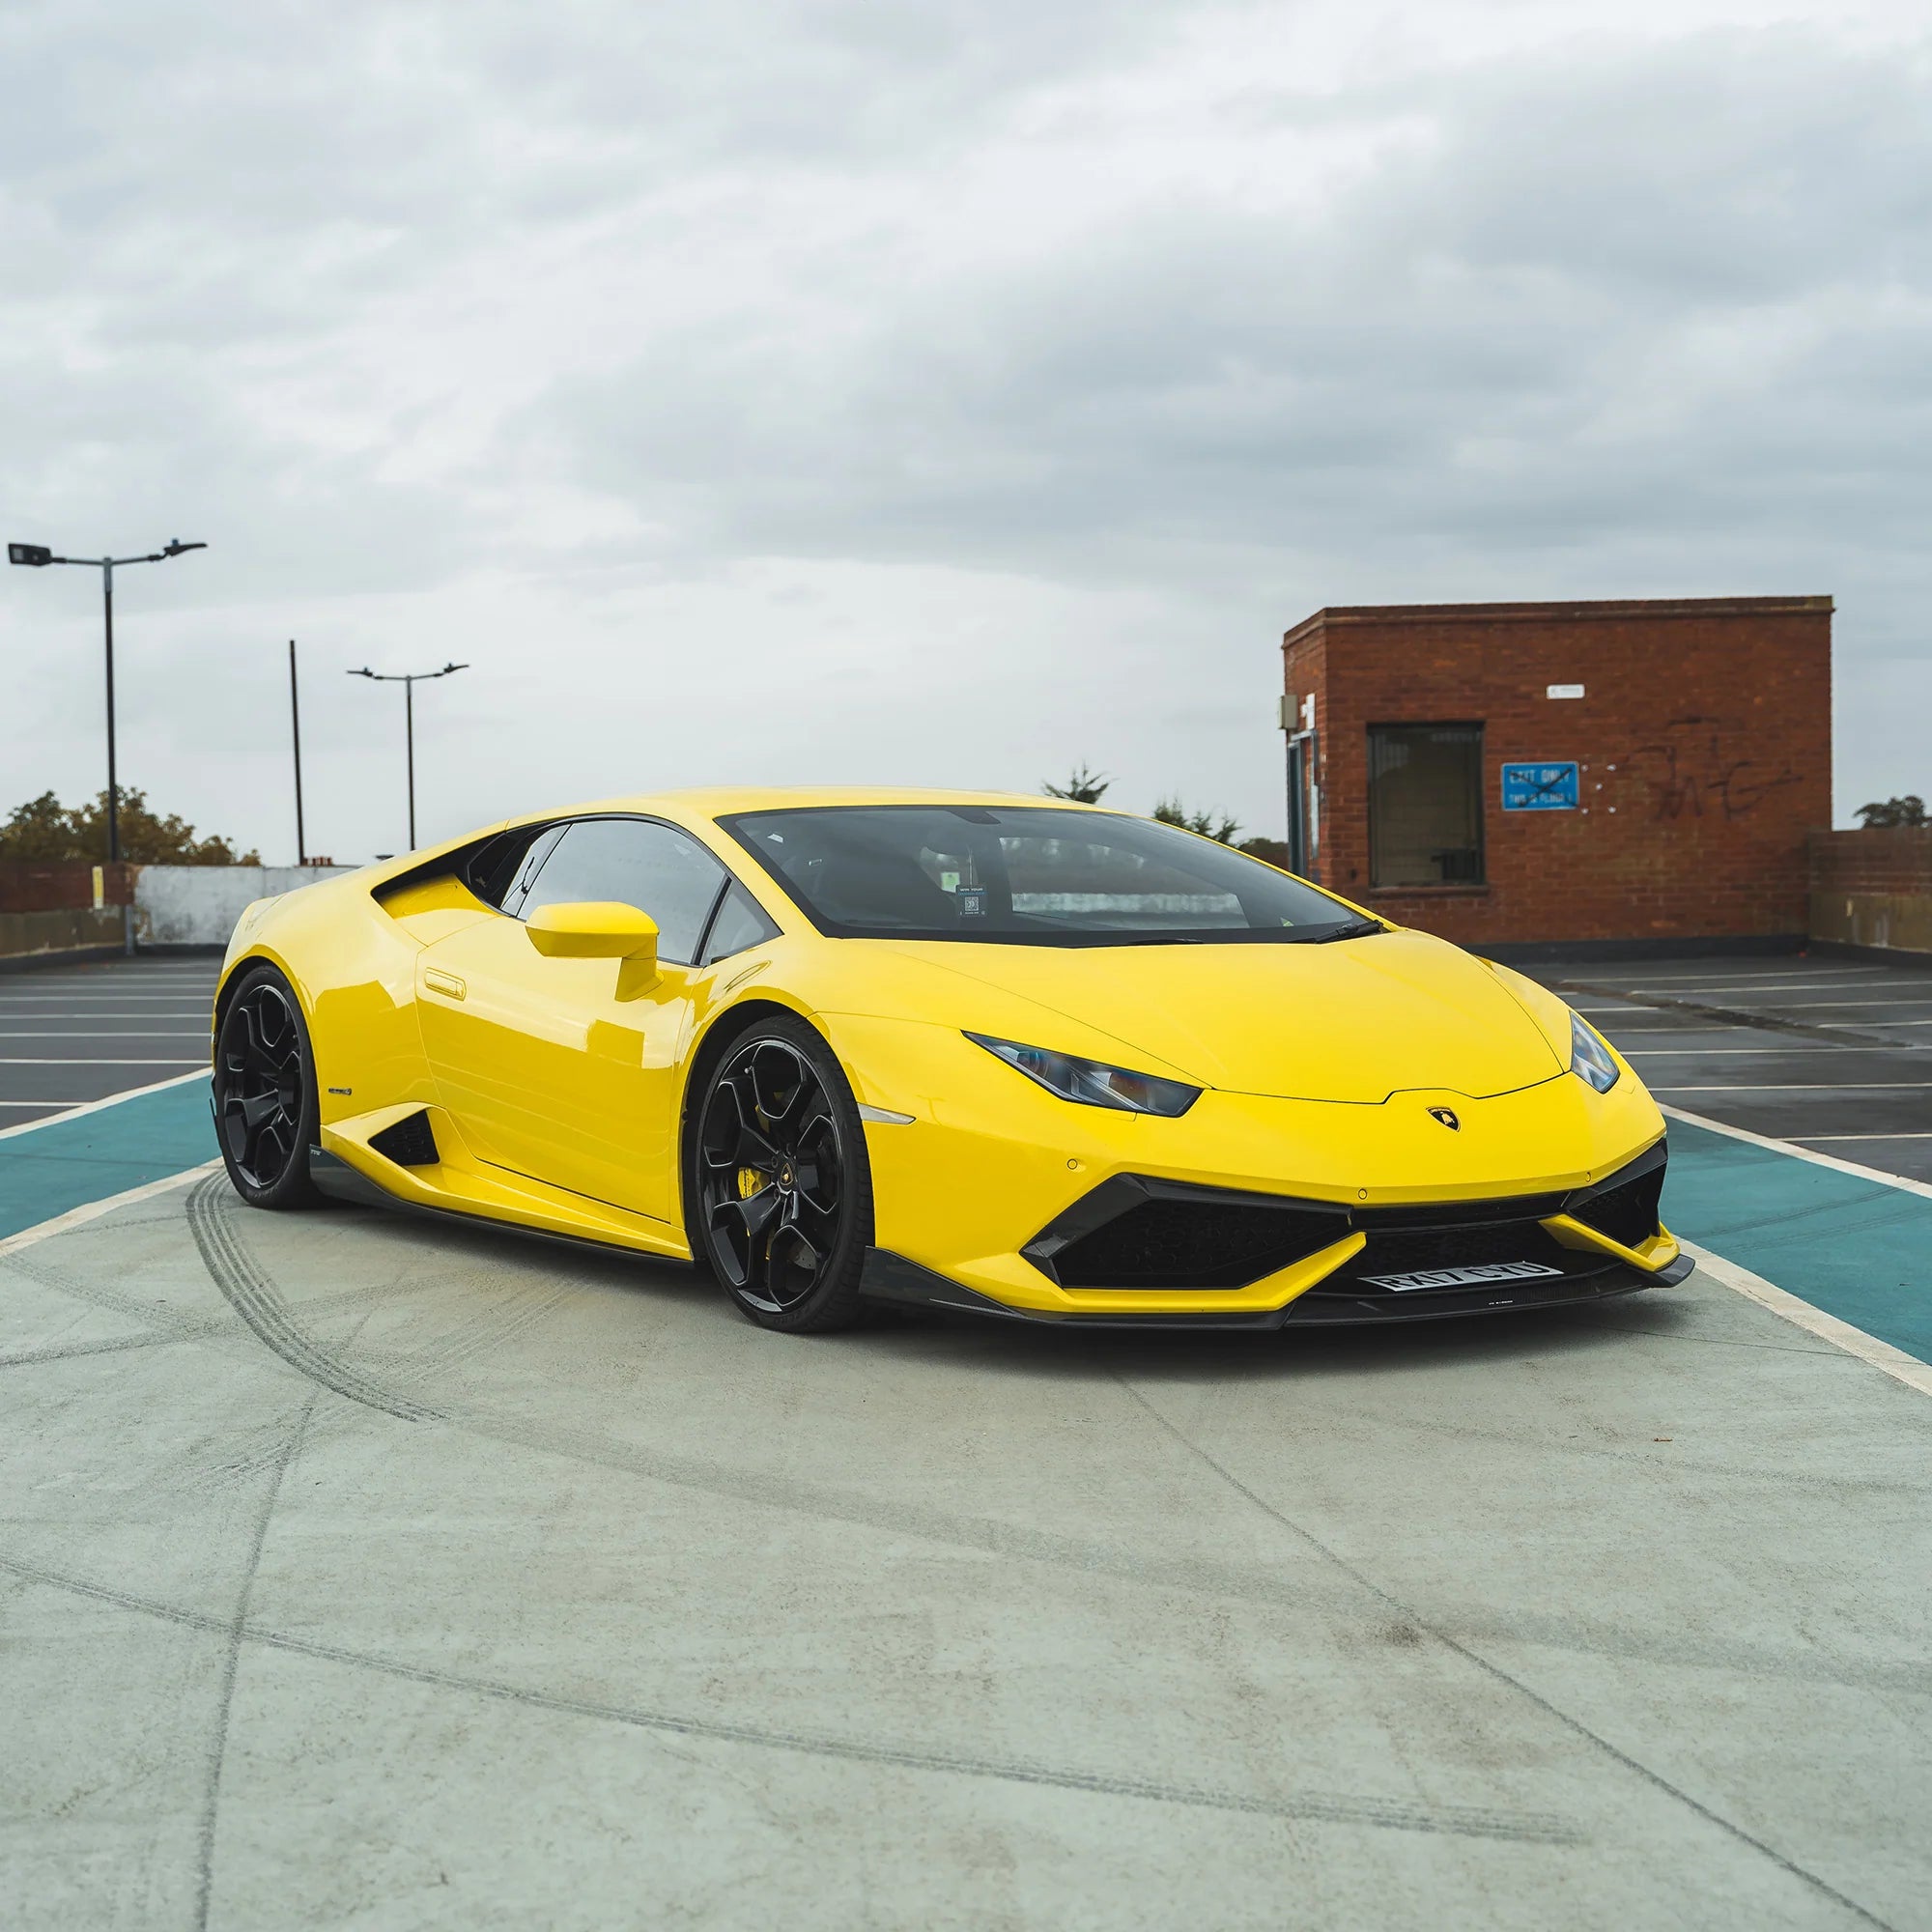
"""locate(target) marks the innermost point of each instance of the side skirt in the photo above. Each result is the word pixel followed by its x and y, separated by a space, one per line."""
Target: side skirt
pixel 335 1177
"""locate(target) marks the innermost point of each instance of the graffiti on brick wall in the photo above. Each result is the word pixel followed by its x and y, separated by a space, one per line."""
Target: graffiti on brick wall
pixel 1703 764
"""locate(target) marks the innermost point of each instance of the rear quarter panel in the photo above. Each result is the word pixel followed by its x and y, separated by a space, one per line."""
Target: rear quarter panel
pixel 353 970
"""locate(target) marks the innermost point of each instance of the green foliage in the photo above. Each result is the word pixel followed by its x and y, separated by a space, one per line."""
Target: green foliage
pixel 1907 811
pixel 1273 851
pixel 1171 812
pixel 1082 786
pixel 45 831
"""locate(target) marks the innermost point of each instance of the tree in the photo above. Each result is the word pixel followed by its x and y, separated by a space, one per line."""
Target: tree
pixel 43 829
pixel 1171 812
pixel 1082 786
pixel 1907 811
pixel 1273 851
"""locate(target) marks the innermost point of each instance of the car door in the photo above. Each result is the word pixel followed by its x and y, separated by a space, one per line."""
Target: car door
pixel 564 1069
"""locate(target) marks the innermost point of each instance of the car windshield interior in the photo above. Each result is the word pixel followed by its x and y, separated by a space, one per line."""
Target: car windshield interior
pixel 1029 875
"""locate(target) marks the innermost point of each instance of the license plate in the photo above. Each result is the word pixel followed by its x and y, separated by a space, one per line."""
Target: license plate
pixel 1460 1277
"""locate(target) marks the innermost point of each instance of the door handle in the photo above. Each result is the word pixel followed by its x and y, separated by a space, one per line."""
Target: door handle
pixel 439 982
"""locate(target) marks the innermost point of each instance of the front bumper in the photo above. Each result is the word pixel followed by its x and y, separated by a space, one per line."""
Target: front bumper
pixel 891 1279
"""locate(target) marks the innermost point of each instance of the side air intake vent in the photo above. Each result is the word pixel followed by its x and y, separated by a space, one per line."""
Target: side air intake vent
pixel 408 1142
pixel 1625 1206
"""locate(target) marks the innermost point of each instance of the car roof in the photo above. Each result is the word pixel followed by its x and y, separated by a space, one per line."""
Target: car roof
pixel 721 801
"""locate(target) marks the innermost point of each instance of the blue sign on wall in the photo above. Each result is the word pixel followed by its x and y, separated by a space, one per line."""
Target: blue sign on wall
pixel 1550 787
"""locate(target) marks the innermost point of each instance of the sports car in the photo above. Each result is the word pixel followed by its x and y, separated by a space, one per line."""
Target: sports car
pixel 968 1051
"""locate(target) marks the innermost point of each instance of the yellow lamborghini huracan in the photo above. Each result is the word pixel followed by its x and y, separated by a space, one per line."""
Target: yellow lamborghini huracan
pixel 966 1051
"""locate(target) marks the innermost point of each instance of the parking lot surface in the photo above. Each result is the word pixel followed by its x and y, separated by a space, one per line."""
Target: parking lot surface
pixel 1835 1055
pixel 70 1034
pixel 363 1571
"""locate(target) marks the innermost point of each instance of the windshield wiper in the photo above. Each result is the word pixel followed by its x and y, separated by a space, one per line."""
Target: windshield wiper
pixel 1356 928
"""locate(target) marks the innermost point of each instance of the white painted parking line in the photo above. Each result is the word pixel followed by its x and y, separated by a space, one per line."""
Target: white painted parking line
pixel 1810 1087
pixel 1813 1138
pixel 1617 1010
pixel 1772 986
pixel 175 1014
pixel 92 1211
pixel 75 1108
pixel 94 1032
pixel 1806 1005
pixel 1722 1052
pixel 69 1059
pixel 1895 1362
pixel 1831 1160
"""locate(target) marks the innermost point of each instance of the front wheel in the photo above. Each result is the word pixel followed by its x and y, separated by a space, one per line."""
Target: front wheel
pixel 264 1093
pixel 777 1186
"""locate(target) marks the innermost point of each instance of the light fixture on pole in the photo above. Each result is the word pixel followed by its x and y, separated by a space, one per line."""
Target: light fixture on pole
pixel 409 680
pixel 37 556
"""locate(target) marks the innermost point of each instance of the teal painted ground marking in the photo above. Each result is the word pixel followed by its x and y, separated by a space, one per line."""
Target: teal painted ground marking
pixel 68 1163
pixel 1855 1248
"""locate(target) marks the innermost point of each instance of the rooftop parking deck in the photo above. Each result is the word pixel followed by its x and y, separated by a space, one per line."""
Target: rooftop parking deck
pixel 360 1570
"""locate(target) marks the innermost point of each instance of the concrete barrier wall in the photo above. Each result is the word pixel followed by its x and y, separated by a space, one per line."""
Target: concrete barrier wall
pixel 28 938
pixel 1873 887
pixel 198 906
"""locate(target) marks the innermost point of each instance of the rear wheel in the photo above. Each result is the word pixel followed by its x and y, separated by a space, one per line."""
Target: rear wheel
pixel 778 1188
pixel 264 1093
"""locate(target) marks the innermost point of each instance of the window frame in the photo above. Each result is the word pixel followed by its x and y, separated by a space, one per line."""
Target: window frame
pixel 1480 728
pixel 553 835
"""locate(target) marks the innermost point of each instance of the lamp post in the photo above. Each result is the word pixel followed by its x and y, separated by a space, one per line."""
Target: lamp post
pixel 37 556
pixel 409 680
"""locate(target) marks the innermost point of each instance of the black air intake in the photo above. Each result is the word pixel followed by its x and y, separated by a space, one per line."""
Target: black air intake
pixel 408 1141
pixel 1625 1206
pixel 1135 1232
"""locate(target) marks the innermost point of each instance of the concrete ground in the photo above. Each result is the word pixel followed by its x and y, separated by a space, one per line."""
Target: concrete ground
pixel 361 1571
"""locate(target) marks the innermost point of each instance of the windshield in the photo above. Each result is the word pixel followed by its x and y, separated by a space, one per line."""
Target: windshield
pixel 1028 875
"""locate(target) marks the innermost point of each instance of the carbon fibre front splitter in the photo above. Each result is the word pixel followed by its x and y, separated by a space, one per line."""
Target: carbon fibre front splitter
pixel 889 1278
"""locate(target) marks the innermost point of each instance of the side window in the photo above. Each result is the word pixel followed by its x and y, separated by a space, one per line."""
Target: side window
pixel 629 860
pixel 498 873
pixel 740 922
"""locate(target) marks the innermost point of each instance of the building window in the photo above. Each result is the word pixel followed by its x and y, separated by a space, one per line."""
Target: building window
pixel 1425 805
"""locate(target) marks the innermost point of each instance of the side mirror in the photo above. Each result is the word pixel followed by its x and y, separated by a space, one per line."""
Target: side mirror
pixel 598 929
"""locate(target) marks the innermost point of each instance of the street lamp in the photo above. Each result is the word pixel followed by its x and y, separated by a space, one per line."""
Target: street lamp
pixel 409 680
pixel 37 556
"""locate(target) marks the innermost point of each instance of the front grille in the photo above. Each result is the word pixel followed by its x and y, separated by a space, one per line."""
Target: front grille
pixel 1178 1244
pixel 1134 1232
pixel 1419 1250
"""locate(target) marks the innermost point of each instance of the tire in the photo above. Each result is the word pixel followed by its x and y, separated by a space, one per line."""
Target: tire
pixel 778 1190
pixel 265 1105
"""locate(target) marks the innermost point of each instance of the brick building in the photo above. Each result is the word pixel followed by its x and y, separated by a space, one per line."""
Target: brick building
pixel 1622 773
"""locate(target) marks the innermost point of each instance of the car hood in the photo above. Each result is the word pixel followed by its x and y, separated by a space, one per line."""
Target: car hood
pixel 1348 1020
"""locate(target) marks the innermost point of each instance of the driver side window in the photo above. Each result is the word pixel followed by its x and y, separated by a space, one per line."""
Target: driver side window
pixel 633 862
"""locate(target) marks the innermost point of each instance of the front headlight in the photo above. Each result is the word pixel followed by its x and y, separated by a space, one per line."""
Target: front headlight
pixel 1589 1058
pixel 1092 1082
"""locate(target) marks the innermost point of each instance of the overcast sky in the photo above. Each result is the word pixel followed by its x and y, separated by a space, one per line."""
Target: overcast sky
pixel 931 393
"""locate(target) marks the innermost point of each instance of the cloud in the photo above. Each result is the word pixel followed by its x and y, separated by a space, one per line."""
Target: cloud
pixel 1092 344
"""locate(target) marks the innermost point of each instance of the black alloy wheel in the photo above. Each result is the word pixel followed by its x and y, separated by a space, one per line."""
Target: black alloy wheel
pixel 265 1095
pixel 780 1188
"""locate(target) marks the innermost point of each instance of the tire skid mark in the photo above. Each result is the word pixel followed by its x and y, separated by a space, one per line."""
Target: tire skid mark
pixel 1324 1807
pixel 119 1345
pixel 253 1296
pixel 235 1632
pixel 171 1321
pixel 1495 1672
pixel 988 1535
